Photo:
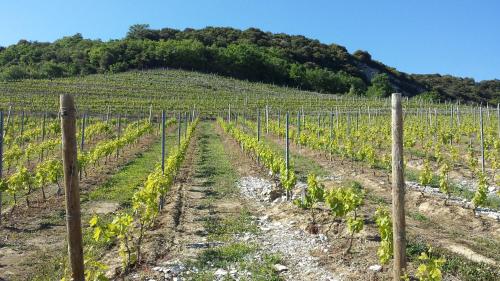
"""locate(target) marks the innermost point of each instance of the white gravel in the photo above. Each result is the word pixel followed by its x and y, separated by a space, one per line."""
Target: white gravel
pixel 294 245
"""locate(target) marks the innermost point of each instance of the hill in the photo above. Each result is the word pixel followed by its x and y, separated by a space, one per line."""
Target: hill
pixel 250 54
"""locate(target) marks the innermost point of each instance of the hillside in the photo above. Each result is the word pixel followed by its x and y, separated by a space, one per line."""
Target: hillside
pixel 250 54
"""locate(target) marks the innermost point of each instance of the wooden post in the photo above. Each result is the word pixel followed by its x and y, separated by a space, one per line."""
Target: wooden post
pixel 258 124
pixel 186 124
pixel 22 124
pixel 119 132
pixel 279 119
pixel 319 124
pixel 357 119
pixel 43 125
pixel 107 116
pixel 482 136
pixel 331 125
pixel 451 124
pixel 6 127
pixel 150 113
pixel 70 166
pixel 163 141
pixel 287 150
pixel 267 119
pixel 337 118
pixel 1 161
pixel 179 124
pixel 498 119
pixel 82 141
pixel 298 126
pixel 398 192
pixel 162 199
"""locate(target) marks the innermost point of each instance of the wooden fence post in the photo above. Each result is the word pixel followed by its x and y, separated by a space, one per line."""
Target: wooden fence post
pixel 498 119
pixel 398 192
pixel 6 127
pixel 482 136
pixel 179 124
pixel 118 133
pixel 267 119
pixel 287 150
pixel 162 198
pixel 150 113
pixel 1 161
pixel 107 115
pixel 70 166
pixel 22 124
pixel 331 125
pixel 298 127
pixel 258 124
pixel 185 124
pixel 43 125
pixel 82 140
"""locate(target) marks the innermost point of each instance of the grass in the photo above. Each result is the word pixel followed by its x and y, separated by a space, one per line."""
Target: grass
pixel 376 199
pixel 455 265
pixel 418 216
pixel 215 167
pixel 122 185
pixel 221 229
pixel 53 269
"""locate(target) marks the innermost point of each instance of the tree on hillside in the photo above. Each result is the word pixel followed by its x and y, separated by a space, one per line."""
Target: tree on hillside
pixel 13 72
pixel 142 31
pixel 363 56
pixel 380 86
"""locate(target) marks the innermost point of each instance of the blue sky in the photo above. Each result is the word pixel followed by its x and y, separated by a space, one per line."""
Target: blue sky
pixel 457 37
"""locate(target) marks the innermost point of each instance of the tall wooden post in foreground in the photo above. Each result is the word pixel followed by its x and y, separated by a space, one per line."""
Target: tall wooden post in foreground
pixel 398 192
pixel 163 152
pixel 71 184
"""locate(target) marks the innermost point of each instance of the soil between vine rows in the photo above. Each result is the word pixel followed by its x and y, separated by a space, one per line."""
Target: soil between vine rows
pixel 33 239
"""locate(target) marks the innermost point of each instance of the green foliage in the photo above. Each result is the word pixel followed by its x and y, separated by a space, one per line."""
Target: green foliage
pixel 315 193
pixel 248 54
pixel 13 72
pixel 432 96
pixel 384 223
pixel 94 270
pixel 430 267
pixel 444 185
pixel 482 191
pixel 267 157
pixel 380 86
pixel 344 200
pixel 425 177
pixel 363 56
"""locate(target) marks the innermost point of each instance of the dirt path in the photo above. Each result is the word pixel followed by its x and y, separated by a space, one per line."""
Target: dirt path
pixel 223 234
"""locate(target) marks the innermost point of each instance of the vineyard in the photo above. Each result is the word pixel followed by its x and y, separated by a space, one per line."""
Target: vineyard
pixel 190 176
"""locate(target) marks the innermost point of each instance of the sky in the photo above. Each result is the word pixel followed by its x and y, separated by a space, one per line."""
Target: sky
pixel 457 37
